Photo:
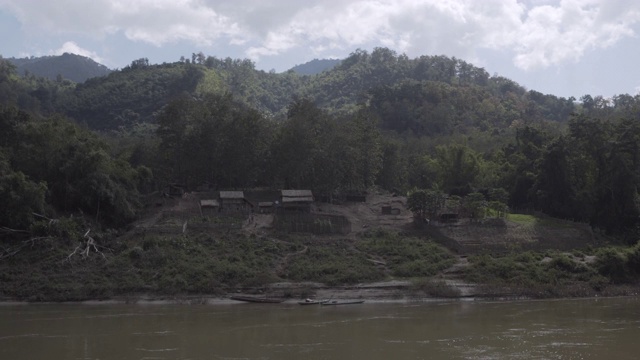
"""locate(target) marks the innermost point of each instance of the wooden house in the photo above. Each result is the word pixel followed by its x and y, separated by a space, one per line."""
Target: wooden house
pixel 296 200
pixel 209 207
pixel 175 190
pixel 234 202
pixel 266 207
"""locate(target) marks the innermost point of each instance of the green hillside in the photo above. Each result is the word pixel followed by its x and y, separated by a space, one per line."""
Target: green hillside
pixel 67 66
pixel 315 66
pixel 134 94
pixel 376 119
pixel 436 93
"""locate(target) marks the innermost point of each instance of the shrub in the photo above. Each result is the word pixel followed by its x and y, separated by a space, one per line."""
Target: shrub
pixel 406 256
pixel 612 264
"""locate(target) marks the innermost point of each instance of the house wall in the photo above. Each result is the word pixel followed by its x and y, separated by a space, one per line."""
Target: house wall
pixel 234 205
pixel 296 207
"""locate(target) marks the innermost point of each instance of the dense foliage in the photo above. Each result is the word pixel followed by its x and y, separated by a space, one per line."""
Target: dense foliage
pixel 556 274
pixel 431 123
pixel 52 167
pixel 315 66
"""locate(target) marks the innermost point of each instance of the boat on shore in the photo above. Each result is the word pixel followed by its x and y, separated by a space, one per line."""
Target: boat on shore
pixel 312 302
pixel 254 299
pixel 342 302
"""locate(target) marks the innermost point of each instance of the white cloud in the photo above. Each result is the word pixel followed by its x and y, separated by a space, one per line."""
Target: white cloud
pixel 535 33
pixel 163 22
pixel 552 35
pixel 73 48
pixel 154 21
pixel 539 34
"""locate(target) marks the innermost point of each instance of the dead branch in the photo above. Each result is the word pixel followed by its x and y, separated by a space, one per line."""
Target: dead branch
pixel 9 230
pixel 42 216
pixel 32 241
pixel 51 221
pixel 84 249
pixel 9 252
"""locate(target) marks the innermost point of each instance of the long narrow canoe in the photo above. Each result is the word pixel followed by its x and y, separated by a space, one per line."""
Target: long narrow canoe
pixel 256 299
pixel 345 302
pixel 312 302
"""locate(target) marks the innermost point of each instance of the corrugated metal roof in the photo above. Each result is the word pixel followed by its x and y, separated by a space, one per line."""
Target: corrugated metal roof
pixel 297 193
pixel 265 203
pixel 231 195
pixel 209 203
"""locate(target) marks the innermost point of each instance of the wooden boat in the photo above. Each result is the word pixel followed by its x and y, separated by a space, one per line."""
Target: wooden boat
pixel 344 302
pixel 312 302
pixel 254 299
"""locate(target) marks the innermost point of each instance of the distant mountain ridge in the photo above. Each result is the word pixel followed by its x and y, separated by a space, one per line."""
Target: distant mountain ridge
pixel 315 66
pixel 73 67
pixel 435 94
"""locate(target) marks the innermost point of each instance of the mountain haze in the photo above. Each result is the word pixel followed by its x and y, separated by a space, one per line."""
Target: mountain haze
pixel 70 66
pixel 315 66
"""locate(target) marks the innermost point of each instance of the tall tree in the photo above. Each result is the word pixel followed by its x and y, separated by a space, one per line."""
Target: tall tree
pixel 298 147
pixel 365 140
pixel 458 167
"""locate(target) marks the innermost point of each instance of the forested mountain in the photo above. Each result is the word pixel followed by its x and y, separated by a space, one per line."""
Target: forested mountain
pixel 138 91
pixel 67 66
pixel 315 66
pixel 134 94
pixel 376 119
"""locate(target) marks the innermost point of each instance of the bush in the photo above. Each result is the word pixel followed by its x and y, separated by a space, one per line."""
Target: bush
pixel 633 260
pixel 532 273
pixel 332 264
pixel 612 264
pixel 406 256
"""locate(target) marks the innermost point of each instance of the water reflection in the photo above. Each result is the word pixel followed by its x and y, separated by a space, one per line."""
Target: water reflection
pixel 562 329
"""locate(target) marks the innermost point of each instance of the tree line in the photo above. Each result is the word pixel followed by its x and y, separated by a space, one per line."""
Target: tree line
pixel 431 125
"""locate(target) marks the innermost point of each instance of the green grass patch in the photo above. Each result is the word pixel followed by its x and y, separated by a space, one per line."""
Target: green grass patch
pixel 542 221
pixel 522 218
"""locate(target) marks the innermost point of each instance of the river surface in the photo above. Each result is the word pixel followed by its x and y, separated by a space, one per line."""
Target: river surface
pixel 560 329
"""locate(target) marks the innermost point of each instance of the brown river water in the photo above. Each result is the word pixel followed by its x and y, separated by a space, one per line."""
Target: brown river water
pixel 558 329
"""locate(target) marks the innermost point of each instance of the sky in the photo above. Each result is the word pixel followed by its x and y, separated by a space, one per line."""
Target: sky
pixel 560 47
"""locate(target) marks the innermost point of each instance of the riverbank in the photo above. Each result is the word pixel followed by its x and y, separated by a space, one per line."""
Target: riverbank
pixel 393 291
pixel 379 266
pixel 381 260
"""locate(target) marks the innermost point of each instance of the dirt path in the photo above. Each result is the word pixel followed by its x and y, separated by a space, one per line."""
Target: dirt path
pixel 364 216
pixel 285 260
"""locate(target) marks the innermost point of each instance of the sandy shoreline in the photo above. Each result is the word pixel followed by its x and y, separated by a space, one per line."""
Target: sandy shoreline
pixel 380 292
pixel 391 292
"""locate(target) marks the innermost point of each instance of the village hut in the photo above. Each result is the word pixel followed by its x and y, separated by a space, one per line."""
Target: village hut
pixel 266 207
pixel 209 207
pixel 296 200
pixel 234 202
